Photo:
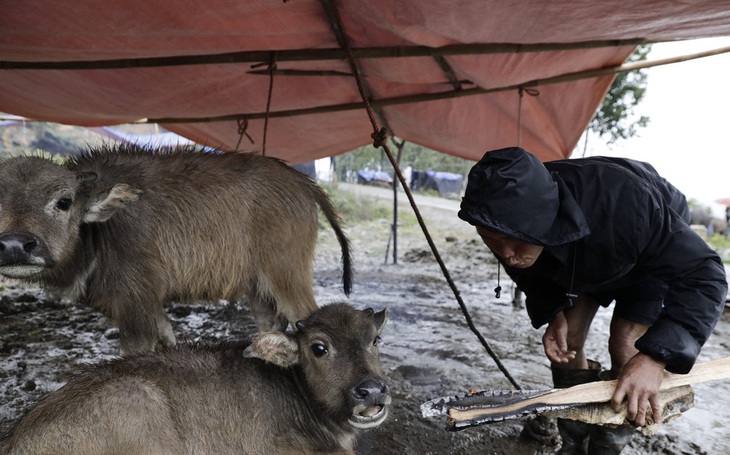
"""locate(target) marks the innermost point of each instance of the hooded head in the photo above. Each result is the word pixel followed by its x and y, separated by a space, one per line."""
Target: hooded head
pixel 510 191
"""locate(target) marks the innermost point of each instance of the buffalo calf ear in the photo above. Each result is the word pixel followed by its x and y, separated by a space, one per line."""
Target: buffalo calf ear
pixel 380 318
pixel 118 197
pixel 274 347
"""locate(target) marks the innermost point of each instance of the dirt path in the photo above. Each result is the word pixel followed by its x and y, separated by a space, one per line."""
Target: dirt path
pixel 427 350
pixel 432 353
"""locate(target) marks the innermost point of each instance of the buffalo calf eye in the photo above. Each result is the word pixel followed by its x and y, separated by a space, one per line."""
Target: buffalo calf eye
pixel 376 341
pixel 318 349
pixel 64 203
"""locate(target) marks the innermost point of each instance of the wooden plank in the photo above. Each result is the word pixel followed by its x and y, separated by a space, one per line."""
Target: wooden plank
pixel 594 392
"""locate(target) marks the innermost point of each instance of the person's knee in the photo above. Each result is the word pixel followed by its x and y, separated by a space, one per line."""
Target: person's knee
pixel 622 339
pixel 576 338
pixel 579 320
pixel 621 350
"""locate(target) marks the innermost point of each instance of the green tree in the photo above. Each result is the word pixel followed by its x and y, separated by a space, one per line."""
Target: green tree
pixel 615 117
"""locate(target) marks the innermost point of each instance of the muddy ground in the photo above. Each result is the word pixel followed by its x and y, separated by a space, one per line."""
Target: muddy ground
pixel 428 350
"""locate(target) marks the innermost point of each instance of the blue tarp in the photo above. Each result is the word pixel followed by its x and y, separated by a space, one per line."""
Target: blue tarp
pixel 373 177
pixel 446 183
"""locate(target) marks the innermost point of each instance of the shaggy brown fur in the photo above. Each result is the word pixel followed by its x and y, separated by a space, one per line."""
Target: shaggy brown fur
pixel 212 400
pixel 127 228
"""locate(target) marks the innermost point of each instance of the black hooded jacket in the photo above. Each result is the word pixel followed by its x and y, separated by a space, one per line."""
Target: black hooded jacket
pixel 605 224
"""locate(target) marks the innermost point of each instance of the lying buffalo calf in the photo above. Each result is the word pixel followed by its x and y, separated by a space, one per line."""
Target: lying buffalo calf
pixel 310 392
pixel 127 228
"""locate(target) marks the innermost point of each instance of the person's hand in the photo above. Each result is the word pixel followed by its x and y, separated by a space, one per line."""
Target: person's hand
pixel 639 384
pixel 555 340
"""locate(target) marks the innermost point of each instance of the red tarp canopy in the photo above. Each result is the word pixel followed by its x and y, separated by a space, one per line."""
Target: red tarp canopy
pixel 36 33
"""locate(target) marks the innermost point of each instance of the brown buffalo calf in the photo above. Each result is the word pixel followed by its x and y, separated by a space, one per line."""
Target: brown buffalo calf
pixel 306 393
pixel 126 229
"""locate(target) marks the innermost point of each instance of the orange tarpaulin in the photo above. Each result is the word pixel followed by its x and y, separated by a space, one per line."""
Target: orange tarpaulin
pixel 37 32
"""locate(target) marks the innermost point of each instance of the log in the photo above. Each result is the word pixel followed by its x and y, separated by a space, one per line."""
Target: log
pixel 594 392
pixel 673 403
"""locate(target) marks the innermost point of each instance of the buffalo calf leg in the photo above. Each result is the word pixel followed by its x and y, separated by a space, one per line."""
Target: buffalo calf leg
pixel 165 334
pixel 294 298
pixel 139 330
pixel 265 314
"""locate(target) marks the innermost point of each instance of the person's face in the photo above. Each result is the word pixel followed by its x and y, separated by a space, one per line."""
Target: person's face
pixel 513 252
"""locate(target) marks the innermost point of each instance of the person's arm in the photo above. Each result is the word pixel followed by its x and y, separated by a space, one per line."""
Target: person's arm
pixel 666 247
pixel 555 340
pixel 544 299
pixel 546 303
pixel 670 250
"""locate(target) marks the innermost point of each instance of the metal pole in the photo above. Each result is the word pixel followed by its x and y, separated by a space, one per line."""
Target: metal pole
pixel 399 146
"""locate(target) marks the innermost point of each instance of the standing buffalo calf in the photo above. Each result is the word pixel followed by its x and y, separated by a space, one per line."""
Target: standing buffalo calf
pixel 128 228
pixel 311 394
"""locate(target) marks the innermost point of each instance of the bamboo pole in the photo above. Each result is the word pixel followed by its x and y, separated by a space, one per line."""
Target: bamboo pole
pixel 293 55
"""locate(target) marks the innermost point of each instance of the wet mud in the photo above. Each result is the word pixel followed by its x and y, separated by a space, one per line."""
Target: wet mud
pixel 428 350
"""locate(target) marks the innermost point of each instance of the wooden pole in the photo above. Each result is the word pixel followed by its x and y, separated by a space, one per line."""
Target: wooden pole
pixel 418 98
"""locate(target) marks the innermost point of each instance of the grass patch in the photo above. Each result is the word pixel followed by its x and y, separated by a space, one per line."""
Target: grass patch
pixel 721 244
pixel 354 208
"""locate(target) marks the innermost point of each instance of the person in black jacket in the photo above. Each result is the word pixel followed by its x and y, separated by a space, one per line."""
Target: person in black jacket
pixel 582 233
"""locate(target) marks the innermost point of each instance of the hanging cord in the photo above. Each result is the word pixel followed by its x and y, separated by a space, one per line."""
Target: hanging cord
pixel 242 126
pixel 271 68
pixel 498 289
pixel 521 91
pixel 570 295
pixel 379 140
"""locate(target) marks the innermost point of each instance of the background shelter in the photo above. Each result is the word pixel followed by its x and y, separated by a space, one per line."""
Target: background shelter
pixel 445 183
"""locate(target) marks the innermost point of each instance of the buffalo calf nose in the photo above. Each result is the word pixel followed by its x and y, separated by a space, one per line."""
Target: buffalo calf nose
pixel 370 389
pixel 18 242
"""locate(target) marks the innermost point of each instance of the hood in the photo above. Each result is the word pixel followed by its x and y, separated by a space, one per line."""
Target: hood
pixel 510 191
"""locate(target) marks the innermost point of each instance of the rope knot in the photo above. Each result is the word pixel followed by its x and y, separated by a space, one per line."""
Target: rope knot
pixel 242 126
pixel 379 137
